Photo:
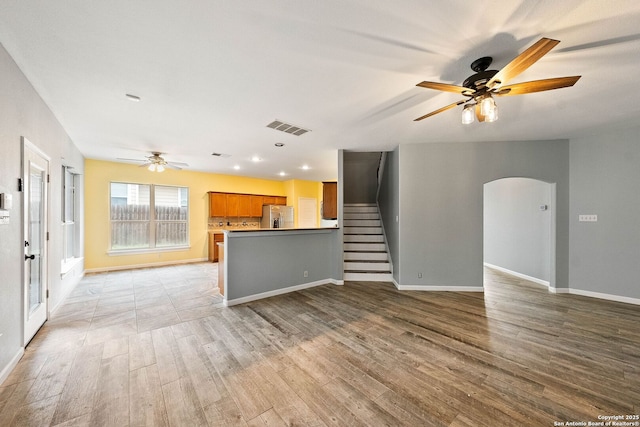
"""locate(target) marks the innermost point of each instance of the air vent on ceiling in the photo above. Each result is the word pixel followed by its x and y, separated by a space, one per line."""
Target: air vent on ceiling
pixel 285 127
pixel 220 155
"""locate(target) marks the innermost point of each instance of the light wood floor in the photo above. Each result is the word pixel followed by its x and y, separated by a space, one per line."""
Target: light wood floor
pixel 156 347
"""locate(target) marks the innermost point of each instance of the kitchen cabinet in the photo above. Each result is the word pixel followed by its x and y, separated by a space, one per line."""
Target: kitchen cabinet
pixel 214 239
pixel 329 200
pixel 233 201
pixel 256 203
pixel 217 204
pixel 236 205
pixel 244 205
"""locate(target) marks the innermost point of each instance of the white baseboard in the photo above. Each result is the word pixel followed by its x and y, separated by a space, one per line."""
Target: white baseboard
pixel 518 275
pixel 276 292
pixel 336 282
pixel 146 265
pixel 600 295
pixel 431 288
pixel 4 374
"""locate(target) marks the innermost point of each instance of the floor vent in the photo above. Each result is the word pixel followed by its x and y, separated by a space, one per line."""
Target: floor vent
pixel 285 127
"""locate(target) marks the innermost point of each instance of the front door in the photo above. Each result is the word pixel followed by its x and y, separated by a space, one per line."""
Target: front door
pixel 34 176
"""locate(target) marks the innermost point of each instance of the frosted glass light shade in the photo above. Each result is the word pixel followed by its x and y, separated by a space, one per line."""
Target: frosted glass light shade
pixel 486 105
pixel 493 114
pixel 468 115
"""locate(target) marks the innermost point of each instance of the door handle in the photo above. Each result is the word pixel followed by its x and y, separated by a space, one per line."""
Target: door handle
pixel 26 257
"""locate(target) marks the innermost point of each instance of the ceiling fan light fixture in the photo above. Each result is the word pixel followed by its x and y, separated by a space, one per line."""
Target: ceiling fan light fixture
pixel 468 114
pixel 492 116
pixel 486 105
pixel 152 167
pixel 159 168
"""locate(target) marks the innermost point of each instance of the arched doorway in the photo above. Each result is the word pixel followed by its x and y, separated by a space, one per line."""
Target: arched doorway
pixel 519 228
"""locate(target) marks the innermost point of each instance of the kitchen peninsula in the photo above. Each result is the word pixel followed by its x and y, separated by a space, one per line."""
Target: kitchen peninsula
pixel 261 263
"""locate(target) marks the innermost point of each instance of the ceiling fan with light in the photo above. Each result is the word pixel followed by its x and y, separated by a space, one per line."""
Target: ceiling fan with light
pixel 480 88
pixel 156 163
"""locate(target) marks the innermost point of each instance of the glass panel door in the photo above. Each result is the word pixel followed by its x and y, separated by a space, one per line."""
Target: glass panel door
pixel 35 171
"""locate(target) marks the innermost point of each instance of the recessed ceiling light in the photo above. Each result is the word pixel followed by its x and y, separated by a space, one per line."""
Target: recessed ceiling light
pixel 133 98
pixel 237 167
pixel 255 159
pixel 282 173
pixel 305 167
pixel 279 144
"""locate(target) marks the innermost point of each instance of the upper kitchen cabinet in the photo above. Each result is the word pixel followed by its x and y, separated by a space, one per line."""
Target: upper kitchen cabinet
pixel 235 205
pixel 217 204
pixel 256 203
pixel 233 202
pixel 329 200
pixel 269 200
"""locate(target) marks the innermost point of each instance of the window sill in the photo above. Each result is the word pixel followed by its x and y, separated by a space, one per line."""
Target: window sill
pixel 119 252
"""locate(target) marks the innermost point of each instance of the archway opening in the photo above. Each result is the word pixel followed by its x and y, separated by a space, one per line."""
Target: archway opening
pixel 519 229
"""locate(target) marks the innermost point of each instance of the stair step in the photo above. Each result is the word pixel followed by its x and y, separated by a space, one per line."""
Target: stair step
pixel 366 215
pixel 364 238
pixel 360 209
pixel 368 277
pixel 367 266
pixel 364 247
pixel 361 223
pixel 366 256
pixel 362 230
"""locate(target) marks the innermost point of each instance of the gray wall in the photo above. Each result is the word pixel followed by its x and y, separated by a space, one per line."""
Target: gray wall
pixel 266 261
pixel 605 180
pixel 23 113
pixel 360 176
pixel 517 233
pixel 441 198
pixel 389 203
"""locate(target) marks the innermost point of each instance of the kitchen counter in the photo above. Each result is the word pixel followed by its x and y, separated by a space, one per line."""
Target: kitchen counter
pixel 258 263
pixel 261 230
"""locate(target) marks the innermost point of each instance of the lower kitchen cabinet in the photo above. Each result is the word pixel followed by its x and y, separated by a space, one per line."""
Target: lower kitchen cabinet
pixel 214 239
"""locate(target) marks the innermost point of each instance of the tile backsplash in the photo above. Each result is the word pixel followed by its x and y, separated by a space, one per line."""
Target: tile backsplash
pixel 226 223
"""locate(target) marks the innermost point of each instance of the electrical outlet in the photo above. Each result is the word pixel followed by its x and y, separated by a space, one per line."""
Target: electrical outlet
pixel 419 275
pixel 588 218
pixel 306 273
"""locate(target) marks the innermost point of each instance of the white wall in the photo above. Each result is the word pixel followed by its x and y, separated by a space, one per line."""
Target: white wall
pixel 517 233
pixel 23 113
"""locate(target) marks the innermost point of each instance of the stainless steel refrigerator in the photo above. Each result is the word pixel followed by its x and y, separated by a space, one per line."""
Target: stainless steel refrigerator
pixel 276 216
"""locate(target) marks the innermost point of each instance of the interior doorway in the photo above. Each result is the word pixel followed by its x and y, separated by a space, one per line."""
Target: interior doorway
pixel 35 172
pixel 519 228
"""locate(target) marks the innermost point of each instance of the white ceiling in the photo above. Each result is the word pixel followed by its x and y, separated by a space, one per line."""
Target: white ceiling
pixel 213 74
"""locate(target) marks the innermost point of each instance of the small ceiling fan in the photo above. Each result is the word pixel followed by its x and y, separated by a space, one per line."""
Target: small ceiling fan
pixel 480 88
pixel 156 163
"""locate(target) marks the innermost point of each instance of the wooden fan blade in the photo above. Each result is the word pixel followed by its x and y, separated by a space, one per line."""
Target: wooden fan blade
pixel 537 86
pixel 448 107
pixel 523 61
pixel 172 165
pixel 446 87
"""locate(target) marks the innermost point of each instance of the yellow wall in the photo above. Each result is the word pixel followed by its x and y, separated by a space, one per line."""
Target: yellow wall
pixel 99 174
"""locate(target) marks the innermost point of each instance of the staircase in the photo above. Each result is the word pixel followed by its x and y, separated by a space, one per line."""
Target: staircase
pixel 365 251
